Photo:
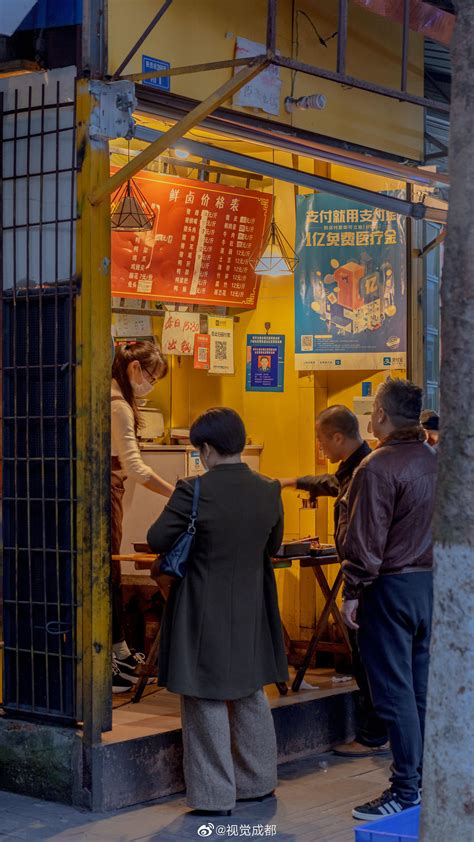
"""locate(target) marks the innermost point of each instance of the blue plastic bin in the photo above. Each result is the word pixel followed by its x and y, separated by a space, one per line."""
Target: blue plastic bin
pixel 400 828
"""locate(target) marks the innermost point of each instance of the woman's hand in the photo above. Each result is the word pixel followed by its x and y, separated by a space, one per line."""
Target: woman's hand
pixel 159 486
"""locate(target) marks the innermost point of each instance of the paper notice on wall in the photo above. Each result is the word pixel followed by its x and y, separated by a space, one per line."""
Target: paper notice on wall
pixel 132 325
pixel 221 332
pixel 179 331
pixel 263 91
pixel 202 351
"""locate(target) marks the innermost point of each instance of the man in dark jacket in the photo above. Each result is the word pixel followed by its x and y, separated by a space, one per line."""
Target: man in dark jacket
pixel 388 582
pixel 338 432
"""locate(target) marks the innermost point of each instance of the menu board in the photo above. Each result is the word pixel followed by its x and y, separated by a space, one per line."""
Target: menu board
pixel 199 248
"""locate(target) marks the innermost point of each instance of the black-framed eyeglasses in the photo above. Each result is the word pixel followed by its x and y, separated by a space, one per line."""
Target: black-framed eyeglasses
pixel 153 379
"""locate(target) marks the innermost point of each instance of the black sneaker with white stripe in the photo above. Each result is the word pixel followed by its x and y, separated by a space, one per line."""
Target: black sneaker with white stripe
pixel 119 684
pixel 129 667
pixel 387 804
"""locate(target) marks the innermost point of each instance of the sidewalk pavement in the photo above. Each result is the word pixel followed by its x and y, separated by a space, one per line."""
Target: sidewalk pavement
pixel 314 802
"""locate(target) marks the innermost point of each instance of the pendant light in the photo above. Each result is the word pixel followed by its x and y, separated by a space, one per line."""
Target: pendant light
pixel 275 257
pixel 130 210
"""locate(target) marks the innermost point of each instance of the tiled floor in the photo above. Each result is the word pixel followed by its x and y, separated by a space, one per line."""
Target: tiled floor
pixel 159 710
pixel 314 803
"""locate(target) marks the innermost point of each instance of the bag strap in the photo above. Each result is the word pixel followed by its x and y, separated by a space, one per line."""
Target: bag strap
pixel 194 511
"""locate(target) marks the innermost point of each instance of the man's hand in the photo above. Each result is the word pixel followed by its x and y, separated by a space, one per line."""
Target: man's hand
pixel 290 482
pixel 349 612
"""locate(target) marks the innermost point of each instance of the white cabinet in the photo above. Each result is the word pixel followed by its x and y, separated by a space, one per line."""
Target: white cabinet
pixel 141 507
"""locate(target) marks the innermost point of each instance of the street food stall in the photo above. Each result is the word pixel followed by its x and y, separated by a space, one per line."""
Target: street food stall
pixel 273 300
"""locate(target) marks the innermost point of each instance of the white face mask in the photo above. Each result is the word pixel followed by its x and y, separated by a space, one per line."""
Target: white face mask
pixel 141 389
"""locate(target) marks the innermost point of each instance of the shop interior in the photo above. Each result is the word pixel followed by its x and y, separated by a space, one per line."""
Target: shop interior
pixel 280 424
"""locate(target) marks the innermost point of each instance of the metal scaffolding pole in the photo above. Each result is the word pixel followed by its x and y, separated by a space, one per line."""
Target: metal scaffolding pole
pixel 188 68
pixel 142 38
pixel 342 37
pixel 405 43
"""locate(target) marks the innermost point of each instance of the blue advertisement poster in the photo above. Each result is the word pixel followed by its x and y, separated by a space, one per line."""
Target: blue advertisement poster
pixel 265 362
pixel 350 286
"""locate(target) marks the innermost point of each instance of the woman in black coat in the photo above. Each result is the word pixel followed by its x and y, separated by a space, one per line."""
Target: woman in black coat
pixel 221 638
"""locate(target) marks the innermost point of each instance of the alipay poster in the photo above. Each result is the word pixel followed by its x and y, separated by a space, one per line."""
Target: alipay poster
pixel 350 285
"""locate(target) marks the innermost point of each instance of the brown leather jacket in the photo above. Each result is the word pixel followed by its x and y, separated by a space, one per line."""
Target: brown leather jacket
pixel 389 509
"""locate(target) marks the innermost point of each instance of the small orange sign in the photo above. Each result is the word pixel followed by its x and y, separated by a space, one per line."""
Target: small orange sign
pixel 202 351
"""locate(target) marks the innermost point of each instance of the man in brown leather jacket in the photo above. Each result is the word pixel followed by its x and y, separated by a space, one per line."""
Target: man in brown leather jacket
pixel 388 581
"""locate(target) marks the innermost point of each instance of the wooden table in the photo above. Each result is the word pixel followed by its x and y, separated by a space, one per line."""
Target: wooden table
pixel 144 561
pixel 317 563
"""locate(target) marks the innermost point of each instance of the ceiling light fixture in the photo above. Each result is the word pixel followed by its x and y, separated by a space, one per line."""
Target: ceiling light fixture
pixel 275 257
pixel 129 209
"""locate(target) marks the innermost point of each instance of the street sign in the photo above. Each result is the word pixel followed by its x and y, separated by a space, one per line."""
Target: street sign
pixel 163 82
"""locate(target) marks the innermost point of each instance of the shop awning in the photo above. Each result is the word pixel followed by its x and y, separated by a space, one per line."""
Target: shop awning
pixel 416 210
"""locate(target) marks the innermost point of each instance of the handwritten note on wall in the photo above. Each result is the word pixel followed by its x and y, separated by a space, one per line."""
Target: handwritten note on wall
pixel 179 331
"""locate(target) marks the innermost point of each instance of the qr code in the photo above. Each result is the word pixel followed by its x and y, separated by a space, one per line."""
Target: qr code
pixel 202 355
pixel 221 350
pixel 307 343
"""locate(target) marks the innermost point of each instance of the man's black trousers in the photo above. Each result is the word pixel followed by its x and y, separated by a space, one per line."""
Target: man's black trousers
pixel 394 638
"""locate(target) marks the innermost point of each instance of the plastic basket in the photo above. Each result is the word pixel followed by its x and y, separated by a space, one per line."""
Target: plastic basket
pixel 400 828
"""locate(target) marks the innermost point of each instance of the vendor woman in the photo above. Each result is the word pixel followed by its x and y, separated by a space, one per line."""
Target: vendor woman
pixel 136 369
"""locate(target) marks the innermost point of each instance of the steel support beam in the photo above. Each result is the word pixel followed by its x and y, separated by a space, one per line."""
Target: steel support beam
pixel 416 210
pixel 94 38
pixel 271 28
pixel 142 38
pixel 375 166
pixel 435 142
pixel 93 405
pixel 169 138
pixel 405 43
pixel 342 37
pixel 192 165
pixel 431 245
pixel 352 82
pixel 93 427
pixel 189 68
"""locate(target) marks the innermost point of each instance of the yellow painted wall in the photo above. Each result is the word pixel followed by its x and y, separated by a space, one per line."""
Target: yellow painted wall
pixel 203 31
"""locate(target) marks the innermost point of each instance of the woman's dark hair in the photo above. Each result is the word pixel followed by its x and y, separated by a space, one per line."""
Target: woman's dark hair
pixel 150 358
pixel 221 428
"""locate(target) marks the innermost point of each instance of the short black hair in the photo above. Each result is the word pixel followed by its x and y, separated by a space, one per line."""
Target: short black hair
pixel 221 428
pixel 402 401
pixel 339 419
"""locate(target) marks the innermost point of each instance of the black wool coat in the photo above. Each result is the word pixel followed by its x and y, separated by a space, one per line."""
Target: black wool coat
pixel 221 634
